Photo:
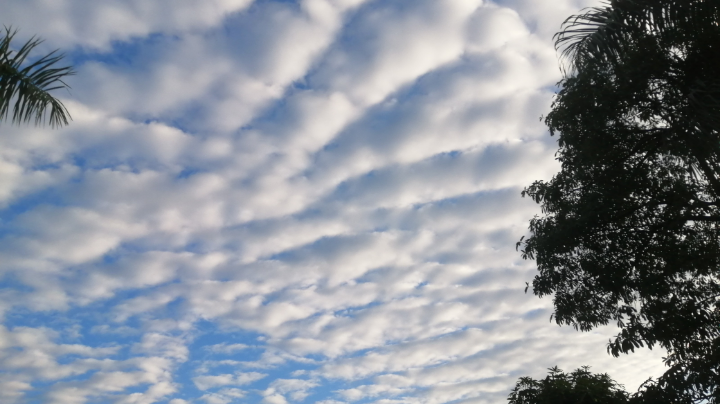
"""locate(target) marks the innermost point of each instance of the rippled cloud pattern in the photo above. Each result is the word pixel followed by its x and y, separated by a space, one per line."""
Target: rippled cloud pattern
pixel 278 202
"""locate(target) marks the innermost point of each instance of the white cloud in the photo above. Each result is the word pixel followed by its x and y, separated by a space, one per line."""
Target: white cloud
pixel 223 396
pixel 225 348
pixel 163 345
pixel 206 382
pixel 152 371
pixel 274 399
pixel 32 352
pixel 97 24
pixel 220 82
pixel 12 391
pixel 396 44
pixel 297 389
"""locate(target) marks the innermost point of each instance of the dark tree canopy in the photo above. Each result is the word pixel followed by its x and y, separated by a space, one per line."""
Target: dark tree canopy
pixel 578 387
pixel 630 232
pixel 583 387
pixel 25 87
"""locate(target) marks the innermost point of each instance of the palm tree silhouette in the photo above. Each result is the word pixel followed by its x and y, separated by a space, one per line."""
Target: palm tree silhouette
pixel 605 34
pixel 25 87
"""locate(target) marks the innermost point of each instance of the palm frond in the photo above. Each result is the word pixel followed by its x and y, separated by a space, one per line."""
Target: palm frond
pixel 30 85
pixel 602 34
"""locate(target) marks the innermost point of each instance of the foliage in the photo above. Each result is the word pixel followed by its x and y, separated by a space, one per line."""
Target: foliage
pixel 583 387
pixel 29 84
pixel 578 387
pixel 630 232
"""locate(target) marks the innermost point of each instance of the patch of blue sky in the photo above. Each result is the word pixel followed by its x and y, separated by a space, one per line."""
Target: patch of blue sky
pixel 344 190
pixel 294 3
pixel 214 348
pixel 233 363
pixel 9 282
pixel 194 246
pixel 381 229
pixel 467 198
pixel 452 154
pixel 79 326
pixel 359 33
pixel 301 85
pixel 210 334
pixel 323 246
pixel 136 53
pixel 120 53
pixel 536 313
pixel 49 196
pixel 95 319
pixel 184 121
pixel 91 160
pixel 331 390
pixel 37 394
pixel 188 172
pixel 448 258
pixel 355 311
pixel 272 121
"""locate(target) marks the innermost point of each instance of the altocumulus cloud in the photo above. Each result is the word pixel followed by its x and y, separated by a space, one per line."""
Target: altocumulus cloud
pixel 283 202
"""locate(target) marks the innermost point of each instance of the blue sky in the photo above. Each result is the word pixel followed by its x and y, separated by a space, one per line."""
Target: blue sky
pixel 278 202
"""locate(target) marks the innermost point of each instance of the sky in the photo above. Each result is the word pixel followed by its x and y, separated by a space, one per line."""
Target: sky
pixel 284 202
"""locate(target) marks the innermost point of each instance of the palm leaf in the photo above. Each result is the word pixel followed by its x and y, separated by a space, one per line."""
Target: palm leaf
pixel 602 34
pixel 29 85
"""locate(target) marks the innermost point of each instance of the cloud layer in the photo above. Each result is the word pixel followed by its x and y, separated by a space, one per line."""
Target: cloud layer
pixel 284 202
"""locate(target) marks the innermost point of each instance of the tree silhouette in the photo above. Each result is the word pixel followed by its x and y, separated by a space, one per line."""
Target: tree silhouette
pixel 630 232
pixel 25 87
pixel 583 387
pixel 578 387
